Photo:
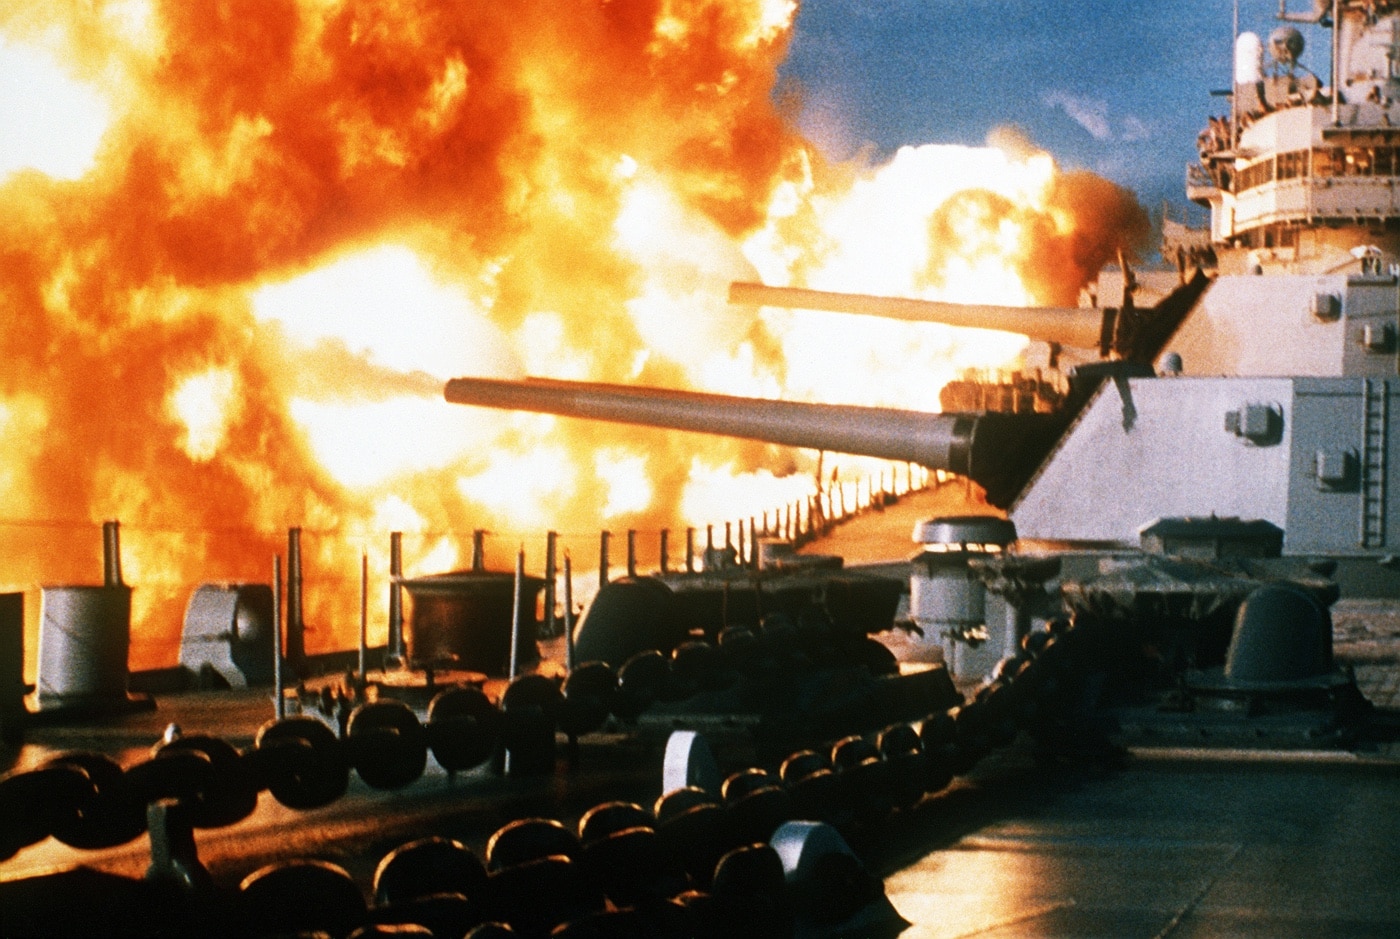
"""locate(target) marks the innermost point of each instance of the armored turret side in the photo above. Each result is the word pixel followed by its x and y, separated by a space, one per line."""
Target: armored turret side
pixel 1293 324
pixel 1311 455
pixel 1152 448
pixel 1344 467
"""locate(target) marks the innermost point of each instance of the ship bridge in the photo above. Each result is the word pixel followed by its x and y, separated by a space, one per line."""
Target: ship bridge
pixel 1299 178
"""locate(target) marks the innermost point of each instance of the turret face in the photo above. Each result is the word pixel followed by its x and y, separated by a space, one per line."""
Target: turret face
pixel 1293 325
pixel 1300 179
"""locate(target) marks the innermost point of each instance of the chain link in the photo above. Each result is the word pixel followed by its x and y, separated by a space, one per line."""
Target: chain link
pixel 88 801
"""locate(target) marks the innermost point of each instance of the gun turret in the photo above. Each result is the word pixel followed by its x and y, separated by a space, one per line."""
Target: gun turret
pixel 997 450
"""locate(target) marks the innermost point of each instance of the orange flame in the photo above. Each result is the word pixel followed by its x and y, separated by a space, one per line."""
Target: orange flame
pixel 304 214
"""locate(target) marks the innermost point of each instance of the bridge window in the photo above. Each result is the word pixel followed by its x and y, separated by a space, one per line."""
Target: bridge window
pixel 1321 163
pixel 1256 175
pixel 1293 165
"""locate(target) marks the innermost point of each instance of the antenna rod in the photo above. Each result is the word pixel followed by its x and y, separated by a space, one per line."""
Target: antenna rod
pixel 1336 65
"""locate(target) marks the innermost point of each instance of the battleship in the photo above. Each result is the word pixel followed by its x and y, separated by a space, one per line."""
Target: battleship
pixel 1119 704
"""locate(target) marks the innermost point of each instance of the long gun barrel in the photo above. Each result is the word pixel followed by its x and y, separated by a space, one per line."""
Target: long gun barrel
pixel 1079 327
pixel 938 441
pixel 996 450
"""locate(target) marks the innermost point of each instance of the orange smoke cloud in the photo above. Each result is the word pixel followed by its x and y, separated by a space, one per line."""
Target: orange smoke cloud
pixel 254 141
pixel 582 180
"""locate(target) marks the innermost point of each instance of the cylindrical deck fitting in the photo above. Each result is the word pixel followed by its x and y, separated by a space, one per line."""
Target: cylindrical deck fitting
pixel 84 635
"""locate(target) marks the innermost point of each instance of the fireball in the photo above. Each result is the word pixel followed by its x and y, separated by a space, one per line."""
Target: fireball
pixel 245 242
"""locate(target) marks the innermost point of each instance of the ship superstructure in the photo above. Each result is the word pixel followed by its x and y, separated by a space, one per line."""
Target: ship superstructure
pixel 1300 176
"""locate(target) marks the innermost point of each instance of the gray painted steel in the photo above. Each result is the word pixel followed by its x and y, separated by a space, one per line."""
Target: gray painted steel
pixel 84 633
pixel 1316 461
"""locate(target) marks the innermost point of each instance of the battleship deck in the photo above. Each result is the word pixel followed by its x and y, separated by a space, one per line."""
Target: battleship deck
pixel 1180 842
pixel 1206 839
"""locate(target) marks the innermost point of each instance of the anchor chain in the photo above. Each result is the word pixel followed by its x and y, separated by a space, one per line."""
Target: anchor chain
pixel 88 801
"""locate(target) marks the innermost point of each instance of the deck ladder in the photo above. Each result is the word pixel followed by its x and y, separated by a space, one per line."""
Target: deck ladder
pixel 1375 407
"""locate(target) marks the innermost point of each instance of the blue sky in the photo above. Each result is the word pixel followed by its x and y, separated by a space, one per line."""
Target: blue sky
pixel 1120 87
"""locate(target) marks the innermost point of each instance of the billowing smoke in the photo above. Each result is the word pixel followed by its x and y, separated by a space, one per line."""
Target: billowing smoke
pixel 582 178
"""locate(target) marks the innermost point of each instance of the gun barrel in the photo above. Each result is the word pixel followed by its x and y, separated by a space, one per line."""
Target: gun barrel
pixel 937 441
pixel 1080 327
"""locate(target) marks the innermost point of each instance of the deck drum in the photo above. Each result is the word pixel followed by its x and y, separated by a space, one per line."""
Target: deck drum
pixel 462 619
pixel 84 634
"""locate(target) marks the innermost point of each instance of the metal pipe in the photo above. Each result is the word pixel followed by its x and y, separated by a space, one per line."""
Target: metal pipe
pixel 690 550
pixel 1336 64
pixel 551 572
pixel 296 627
pixel 479 550
pixel 515 614
pixel 665 562
pixel 1080 327
pixel 631 552
pixel 364 620
pixel 603 564
pixel 940 441
pixel 278 680
pixel 111 554
pixel 396 644
pixel 568 613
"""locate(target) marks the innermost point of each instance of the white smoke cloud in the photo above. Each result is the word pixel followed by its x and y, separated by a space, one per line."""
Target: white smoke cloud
pixel 1089 113
pixel 1093 114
